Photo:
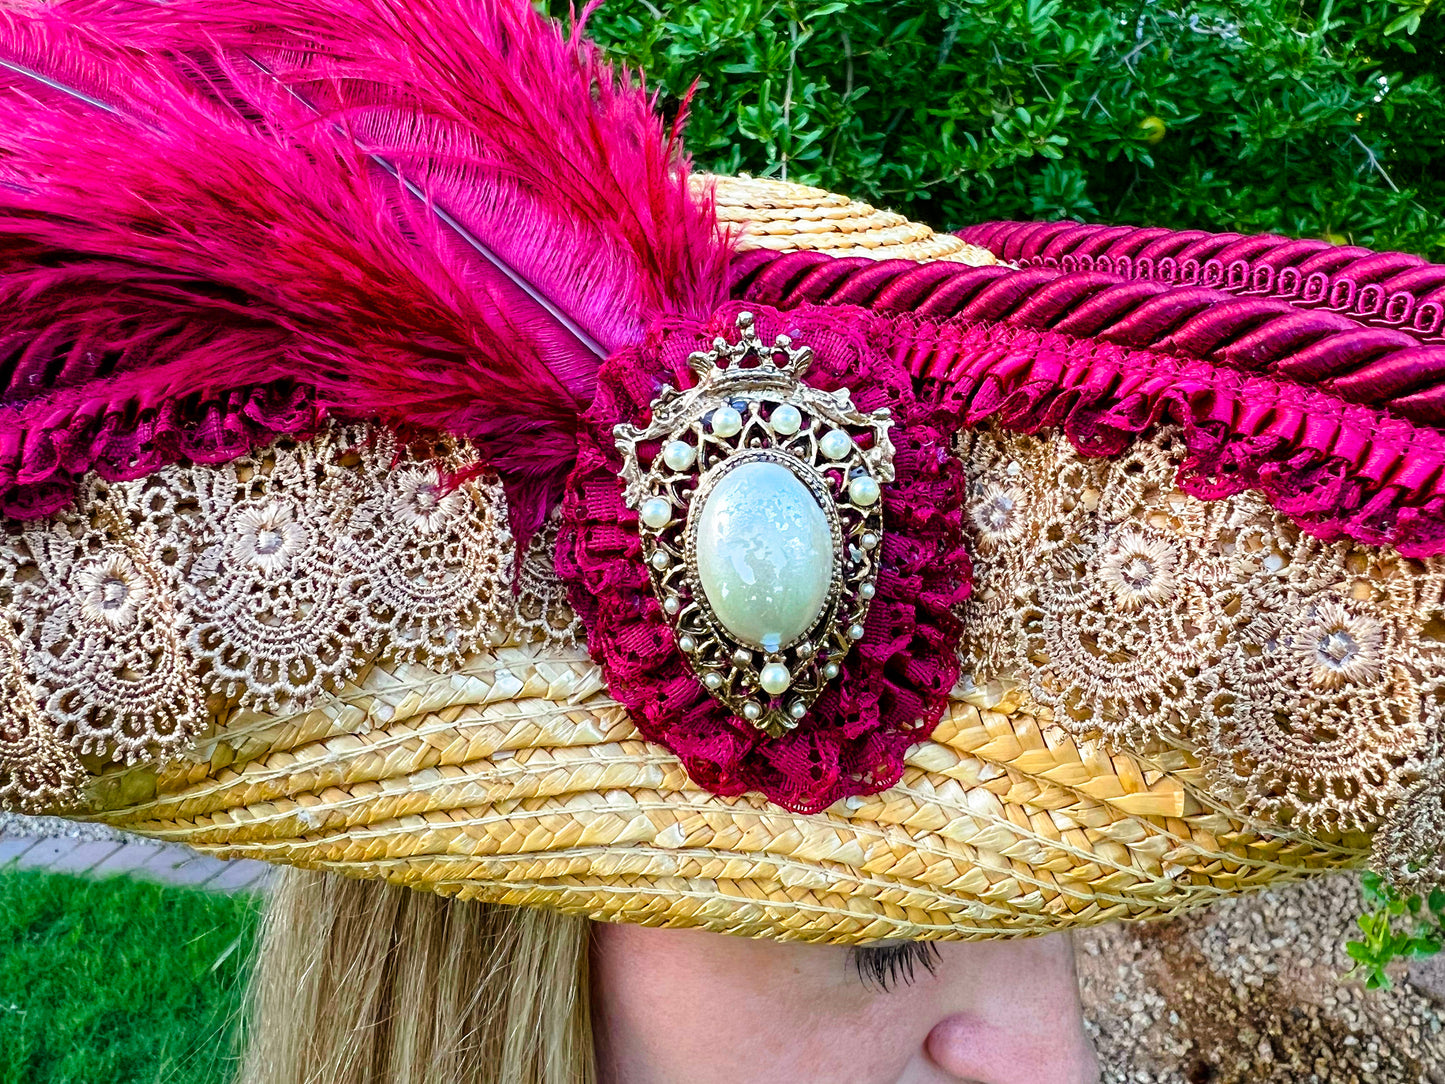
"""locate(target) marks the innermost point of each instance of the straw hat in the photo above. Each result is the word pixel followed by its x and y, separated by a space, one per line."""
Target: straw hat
pixel 1193 647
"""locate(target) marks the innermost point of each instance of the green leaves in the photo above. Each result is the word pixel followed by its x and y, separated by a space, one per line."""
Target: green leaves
pixel 1394 927
pixel 1408 21
pixel 1275 118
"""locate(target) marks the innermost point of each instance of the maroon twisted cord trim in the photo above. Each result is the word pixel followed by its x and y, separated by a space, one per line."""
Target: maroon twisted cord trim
pixel 1391 290
pixel 1370 366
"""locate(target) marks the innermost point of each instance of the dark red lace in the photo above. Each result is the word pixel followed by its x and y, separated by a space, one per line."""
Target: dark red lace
pixel 40 466
pixel 894 684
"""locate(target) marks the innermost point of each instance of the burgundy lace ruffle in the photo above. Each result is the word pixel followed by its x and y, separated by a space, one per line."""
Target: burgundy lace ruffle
pixel 894 684
pixel 42 464
pixel 1285 402
pixel 1337 469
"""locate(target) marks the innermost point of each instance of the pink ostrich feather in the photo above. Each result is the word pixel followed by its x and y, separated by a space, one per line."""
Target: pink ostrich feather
pixel 440 215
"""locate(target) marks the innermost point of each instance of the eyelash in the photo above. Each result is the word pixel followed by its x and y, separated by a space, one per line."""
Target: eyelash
pixel 888 966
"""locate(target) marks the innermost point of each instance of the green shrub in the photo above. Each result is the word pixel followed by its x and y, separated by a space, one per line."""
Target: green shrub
pixel 1394 927
pixel 1259 115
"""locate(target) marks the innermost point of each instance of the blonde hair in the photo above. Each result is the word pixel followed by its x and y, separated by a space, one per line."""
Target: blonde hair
pixel 362 982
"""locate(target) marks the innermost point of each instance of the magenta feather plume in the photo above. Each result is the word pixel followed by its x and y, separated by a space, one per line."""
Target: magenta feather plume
pixel 441 215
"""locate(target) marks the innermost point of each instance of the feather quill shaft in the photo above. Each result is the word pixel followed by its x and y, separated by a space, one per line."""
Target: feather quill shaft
pixel 55 84
pixel 471 239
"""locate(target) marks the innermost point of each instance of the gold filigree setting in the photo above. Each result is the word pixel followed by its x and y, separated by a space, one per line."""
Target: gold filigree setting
pixel 750 408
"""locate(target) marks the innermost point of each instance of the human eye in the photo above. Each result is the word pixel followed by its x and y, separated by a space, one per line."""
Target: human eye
pixel 888 965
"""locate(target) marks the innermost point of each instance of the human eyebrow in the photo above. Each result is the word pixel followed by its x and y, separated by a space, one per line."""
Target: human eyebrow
pixel 887 965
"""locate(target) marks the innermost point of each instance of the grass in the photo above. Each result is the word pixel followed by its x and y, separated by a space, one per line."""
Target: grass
pixel 118 982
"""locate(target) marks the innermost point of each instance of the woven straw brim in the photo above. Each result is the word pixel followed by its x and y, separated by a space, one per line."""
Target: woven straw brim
pixel 786 217
pixel 517 779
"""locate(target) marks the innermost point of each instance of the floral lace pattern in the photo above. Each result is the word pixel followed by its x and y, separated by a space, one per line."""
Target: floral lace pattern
pixel 301 561
pixel 1407 850
pixel 37 770
pixel 435 558
pixel 261 581
pixel 1308 673
pixel 543 611
pixel 103 643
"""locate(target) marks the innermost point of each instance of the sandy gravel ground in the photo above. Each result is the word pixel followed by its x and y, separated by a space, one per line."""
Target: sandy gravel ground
pixel 1250 992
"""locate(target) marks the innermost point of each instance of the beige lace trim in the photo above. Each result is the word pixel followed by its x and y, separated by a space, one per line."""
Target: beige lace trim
pixel 1409 849
pixel 1307 674
pixel 158 603
pixel 542 610
pixel 37 770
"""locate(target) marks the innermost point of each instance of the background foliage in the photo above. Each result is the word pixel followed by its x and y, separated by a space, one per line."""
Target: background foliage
pixel 1394 927
pixel 1321 118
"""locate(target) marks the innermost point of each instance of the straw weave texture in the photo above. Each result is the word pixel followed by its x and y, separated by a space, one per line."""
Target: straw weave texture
pixel 514 777
pixel 517 779
pixel 789 217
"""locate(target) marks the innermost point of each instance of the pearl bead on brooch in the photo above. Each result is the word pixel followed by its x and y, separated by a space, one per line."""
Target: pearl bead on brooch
pixel 774 678
pixel 864 491
pixel 786 420
pixel 758 550
pixel 726 422
pixel 655 512
pixel 835 444
pixel 679 455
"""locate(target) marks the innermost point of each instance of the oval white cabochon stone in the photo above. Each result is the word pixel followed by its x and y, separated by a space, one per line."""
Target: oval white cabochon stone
pixel 764 554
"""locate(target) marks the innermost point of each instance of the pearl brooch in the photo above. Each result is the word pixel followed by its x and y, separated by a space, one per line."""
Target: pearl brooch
pixel 753 544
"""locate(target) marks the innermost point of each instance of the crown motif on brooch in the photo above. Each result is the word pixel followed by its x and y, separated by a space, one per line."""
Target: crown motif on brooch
pixel 726 363
pixel 759 503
